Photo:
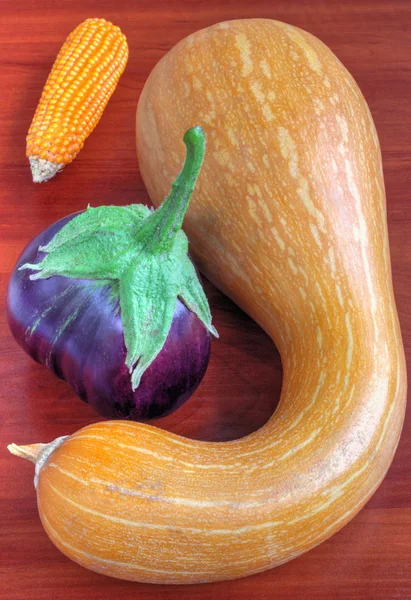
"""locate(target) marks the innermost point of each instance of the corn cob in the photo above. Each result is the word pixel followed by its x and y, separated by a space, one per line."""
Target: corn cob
pixel 82 79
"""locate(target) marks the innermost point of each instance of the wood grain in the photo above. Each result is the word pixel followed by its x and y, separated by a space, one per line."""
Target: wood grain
pixel 369 558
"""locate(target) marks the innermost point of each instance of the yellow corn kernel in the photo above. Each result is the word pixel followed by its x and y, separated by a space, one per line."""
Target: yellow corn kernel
pixel 81 82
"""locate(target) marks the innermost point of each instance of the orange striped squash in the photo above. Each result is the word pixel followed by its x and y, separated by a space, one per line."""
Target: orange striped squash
pixel 289 220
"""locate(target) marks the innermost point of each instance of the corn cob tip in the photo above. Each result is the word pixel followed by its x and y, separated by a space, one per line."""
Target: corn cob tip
pixel 42 169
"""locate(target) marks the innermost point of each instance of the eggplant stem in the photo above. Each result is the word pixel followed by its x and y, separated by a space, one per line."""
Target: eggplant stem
pixel 161 227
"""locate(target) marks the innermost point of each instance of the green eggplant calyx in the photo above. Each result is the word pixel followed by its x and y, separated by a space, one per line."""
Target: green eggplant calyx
pixel 146 252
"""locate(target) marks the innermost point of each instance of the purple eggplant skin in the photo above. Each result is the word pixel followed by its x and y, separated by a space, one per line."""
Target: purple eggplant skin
pixel 74 327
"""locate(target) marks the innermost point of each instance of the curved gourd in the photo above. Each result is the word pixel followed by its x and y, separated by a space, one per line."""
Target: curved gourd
pixel 289 220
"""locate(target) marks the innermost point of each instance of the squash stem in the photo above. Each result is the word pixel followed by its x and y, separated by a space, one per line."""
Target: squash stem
pixel 30 452
pixel 162 226
pixel 37 453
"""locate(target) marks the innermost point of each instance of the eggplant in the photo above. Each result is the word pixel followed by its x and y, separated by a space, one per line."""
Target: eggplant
pixel 110 301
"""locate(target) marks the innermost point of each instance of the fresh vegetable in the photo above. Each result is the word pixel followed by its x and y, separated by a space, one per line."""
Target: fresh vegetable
pixel 94 297
pixel 289 220
pixel 81 82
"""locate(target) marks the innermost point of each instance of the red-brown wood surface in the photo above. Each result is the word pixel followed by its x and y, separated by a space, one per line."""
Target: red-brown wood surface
pixel 369 558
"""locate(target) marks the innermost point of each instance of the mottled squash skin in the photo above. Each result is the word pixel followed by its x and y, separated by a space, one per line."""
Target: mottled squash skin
pixel 289 220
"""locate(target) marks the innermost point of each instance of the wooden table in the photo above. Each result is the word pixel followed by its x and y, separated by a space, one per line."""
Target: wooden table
pixel 369 558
